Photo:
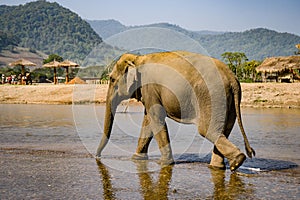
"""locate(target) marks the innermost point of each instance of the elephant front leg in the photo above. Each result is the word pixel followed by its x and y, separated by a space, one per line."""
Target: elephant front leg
pixel 160 131
pixel 163 141
pixel 145 138
pixel 154 125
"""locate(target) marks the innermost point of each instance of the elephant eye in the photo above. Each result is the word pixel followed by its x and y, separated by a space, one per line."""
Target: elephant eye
pixel 112 79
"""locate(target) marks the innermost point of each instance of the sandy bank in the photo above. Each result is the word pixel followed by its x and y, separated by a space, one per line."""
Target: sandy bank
pixel 254 94
pixel 281 95
pixel 53 94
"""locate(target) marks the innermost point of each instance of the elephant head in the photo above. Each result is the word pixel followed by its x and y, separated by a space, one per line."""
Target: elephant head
pixel 123 85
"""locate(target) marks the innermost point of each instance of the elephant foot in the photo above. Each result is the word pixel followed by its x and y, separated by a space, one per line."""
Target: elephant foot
pixel 139 156
pixel 217 160
pixel 237 162
pixel 98 157
pixel 166 162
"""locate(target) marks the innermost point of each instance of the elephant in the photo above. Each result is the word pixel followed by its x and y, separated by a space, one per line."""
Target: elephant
pixel 186 87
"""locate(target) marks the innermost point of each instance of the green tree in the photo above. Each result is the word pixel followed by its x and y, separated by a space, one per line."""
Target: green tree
pixel 8 40
pixel 235 60
pixel 53 57
pixel 7 71
pixel 105 74
pixel 249 69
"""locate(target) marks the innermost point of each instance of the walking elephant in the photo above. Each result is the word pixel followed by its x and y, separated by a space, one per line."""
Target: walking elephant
pixel 187 87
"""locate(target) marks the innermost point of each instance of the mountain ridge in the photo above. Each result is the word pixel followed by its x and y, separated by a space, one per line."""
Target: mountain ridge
pixel 257 43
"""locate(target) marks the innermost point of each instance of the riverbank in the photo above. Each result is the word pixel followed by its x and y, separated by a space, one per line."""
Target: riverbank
pixel 271 95
pixel 279 95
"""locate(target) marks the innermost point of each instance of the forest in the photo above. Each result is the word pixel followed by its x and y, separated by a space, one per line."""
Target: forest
pixel 47 27
pixel 8 40
pixel 257 43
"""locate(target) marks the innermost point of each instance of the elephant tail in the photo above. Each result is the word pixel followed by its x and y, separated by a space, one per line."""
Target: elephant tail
pixel 237 100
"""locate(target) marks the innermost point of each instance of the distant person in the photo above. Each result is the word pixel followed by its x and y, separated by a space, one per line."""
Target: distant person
pixel 3 79
pixel 13 79
pixel 28 79
pixel 9 78
pixel 20 79
pixel 23 80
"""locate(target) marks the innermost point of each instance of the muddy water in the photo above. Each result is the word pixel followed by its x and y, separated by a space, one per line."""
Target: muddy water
pixel 46 152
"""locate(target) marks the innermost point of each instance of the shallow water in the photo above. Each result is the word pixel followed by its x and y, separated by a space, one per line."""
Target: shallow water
pixel 46 152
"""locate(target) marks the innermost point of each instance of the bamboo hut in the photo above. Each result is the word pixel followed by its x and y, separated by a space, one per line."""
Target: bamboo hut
pixel 280 69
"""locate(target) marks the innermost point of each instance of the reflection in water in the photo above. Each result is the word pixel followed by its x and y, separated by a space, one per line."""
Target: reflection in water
pixel 234 189
pixel 108 192
pixel 151 189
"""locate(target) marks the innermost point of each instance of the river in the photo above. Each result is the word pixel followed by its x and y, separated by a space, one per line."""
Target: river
pixel 47 152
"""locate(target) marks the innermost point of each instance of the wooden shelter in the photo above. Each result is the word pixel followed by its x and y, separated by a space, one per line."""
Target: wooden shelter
pixel 66 64
pixel 280 69
pixel 54 64
pixel 23 62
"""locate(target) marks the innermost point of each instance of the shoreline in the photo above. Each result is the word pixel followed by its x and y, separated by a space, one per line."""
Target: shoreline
pixel 257 95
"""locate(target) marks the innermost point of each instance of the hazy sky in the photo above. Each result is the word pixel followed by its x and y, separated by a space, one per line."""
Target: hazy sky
pixel 216 15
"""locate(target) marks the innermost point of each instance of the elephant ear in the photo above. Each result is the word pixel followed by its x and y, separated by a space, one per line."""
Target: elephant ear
pixel 131 77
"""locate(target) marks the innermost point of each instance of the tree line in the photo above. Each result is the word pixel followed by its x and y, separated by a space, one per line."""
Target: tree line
pixel 243 68
pixel 239 64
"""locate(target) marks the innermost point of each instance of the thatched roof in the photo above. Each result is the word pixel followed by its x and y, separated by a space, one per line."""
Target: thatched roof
pixel 52 64
pixel 278 64
pixel 22 62
pixel 68 63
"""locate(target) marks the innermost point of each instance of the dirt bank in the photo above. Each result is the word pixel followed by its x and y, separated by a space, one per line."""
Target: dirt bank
pixel 52 94
pixel 282 95
pixel 254 94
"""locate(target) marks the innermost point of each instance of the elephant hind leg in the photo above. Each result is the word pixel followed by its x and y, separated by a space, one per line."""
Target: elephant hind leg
pixel 231 152
pixel 224 148
pixel 217 158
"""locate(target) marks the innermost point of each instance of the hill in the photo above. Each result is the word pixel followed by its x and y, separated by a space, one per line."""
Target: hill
pixel 50 28
pixel 106 28
pixel 8 40
pixel 256 43
pixel 8 56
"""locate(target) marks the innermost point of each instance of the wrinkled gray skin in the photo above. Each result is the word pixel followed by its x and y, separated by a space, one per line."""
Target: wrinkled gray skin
pixel 186 87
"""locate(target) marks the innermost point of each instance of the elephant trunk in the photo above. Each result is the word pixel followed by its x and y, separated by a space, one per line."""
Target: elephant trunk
pixel 108 123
